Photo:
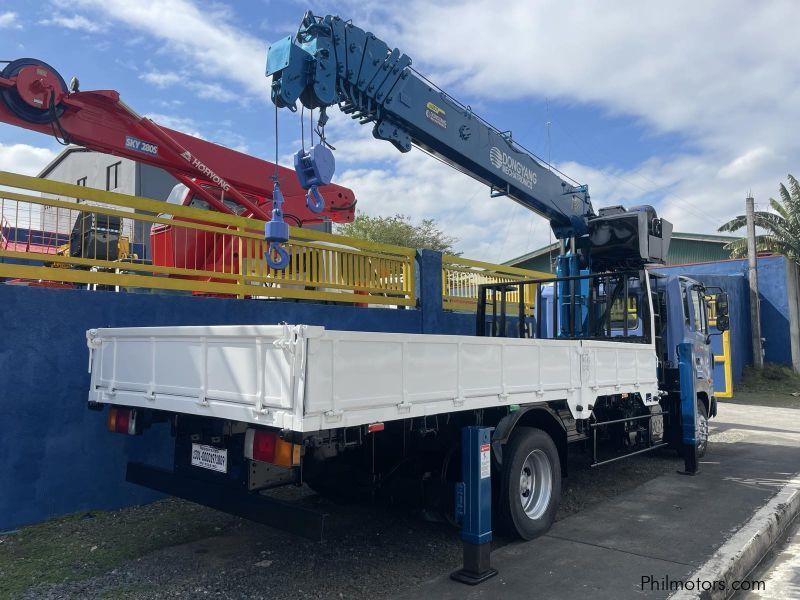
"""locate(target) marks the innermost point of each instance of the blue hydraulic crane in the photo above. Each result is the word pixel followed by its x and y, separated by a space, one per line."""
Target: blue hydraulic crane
pixel 330 61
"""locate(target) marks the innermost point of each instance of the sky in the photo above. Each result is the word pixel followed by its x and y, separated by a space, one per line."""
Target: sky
pixel 685 105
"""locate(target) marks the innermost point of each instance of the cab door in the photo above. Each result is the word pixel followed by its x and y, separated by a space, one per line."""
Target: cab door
pixel 696 321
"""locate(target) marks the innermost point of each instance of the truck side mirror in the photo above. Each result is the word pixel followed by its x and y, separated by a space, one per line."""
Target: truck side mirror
pixel 723 322
pixel 722 306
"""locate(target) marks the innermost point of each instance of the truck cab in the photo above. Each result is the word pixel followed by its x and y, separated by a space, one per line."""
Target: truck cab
pixel 681 316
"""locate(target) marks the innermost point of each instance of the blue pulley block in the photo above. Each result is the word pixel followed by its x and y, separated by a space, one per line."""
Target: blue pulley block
pixel 315 167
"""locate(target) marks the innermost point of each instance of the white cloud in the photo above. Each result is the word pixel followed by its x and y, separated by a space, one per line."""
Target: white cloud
pixel 182 124
pixel 749 163
pixel 9 20
pixel 204 90
pixel 76 22
pixel 200 34
pixel 24 159
pixel 160 79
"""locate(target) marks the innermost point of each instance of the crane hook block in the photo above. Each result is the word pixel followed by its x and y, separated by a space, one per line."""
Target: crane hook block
pixel 276 232
pixel 314 168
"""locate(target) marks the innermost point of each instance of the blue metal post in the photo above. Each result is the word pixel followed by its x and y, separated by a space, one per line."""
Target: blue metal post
pixel 474 505
pixel 429 290
pixel 687 375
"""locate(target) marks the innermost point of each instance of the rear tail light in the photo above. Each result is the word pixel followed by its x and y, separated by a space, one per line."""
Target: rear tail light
pixel 122 420
pixel 266 446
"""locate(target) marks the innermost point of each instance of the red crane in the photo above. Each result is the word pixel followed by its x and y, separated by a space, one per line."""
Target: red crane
pixel 34 96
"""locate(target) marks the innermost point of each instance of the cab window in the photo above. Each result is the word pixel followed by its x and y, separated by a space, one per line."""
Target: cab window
pixel 700 314
pixel 234 207
pixel 698 310
pixel 618 313
pixel 687 315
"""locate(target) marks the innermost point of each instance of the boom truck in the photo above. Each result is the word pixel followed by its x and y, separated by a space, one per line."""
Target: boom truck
pixel 614 357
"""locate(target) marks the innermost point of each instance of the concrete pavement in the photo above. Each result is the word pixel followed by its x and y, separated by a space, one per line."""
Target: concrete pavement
pixel 663 531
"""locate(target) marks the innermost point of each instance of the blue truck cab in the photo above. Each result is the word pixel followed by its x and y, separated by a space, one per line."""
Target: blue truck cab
pixel 682 317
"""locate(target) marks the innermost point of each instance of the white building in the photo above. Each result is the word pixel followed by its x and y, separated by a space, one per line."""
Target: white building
pixel 80 166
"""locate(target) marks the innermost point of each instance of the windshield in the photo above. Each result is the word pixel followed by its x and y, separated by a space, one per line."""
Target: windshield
pixel 177 194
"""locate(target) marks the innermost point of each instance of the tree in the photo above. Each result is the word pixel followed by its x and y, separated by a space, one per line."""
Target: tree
pixel 782 227
pixel 400 231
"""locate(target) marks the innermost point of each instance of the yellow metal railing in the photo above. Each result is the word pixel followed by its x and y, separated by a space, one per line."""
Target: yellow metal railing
pixel 461 278
pixel 725 358
pixel 73 234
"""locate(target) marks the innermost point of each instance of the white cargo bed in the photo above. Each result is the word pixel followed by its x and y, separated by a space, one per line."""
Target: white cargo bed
pixel 308 378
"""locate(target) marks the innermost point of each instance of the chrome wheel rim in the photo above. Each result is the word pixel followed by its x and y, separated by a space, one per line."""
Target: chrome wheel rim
pixel 535 484
pixel 702 432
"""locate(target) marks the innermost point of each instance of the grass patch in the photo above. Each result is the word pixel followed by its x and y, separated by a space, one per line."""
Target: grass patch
pixel 82 545
pixel 772 378
pixel 772 386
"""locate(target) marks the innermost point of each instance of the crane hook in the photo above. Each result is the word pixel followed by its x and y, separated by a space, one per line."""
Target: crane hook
pixel 276 232
pixel 314 200
pixel 281 261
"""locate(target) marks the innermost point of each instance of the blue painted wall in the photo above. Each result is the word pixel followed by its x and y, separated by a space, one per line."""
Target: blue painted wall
pixel 774 297
pixel 56 456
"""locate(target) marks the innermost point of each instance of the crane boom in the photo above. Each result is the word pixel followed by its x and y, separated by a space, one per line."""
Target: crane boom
pixel 331 61
pixel 344 64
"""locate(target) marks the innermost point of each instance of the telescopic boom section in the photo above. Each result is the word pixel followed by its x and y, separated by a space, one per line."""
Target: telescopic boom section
pixel 34 96
pixel 330 61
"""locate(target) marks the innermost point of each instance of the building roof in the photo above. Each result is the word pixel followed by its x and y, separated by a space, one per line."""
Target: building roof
pixel 689 251
pixel 59 159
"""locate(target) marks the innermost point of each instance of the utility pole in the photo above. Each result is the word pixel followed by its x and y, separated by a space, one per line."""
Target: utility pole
pixel 755 308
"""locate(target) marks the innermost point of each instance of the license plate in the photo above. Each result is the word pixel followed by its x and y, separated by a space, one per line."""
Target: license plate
pixel 209 457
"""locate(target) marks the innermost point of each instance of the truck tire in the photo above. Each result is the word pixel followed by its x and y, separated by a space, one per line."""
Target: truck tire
pixel 530 484
pixel 701 429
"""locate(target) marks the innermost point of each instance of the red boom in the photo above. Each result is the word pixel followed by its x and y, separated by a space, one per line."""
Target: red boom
pixel 34 96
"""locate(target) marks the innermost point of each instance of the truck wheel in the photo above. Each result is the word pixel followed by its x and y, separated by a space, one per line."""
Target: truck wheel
pixel 530 484
pixel 701 429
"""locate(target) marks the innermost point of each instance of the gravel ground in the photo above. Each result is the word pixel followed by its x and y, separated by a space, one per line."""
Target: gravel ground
pixel 173 548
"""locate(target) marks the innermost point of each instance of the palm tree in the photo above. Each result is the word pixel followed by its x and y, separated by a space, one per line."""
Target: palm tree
pixel 782 227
